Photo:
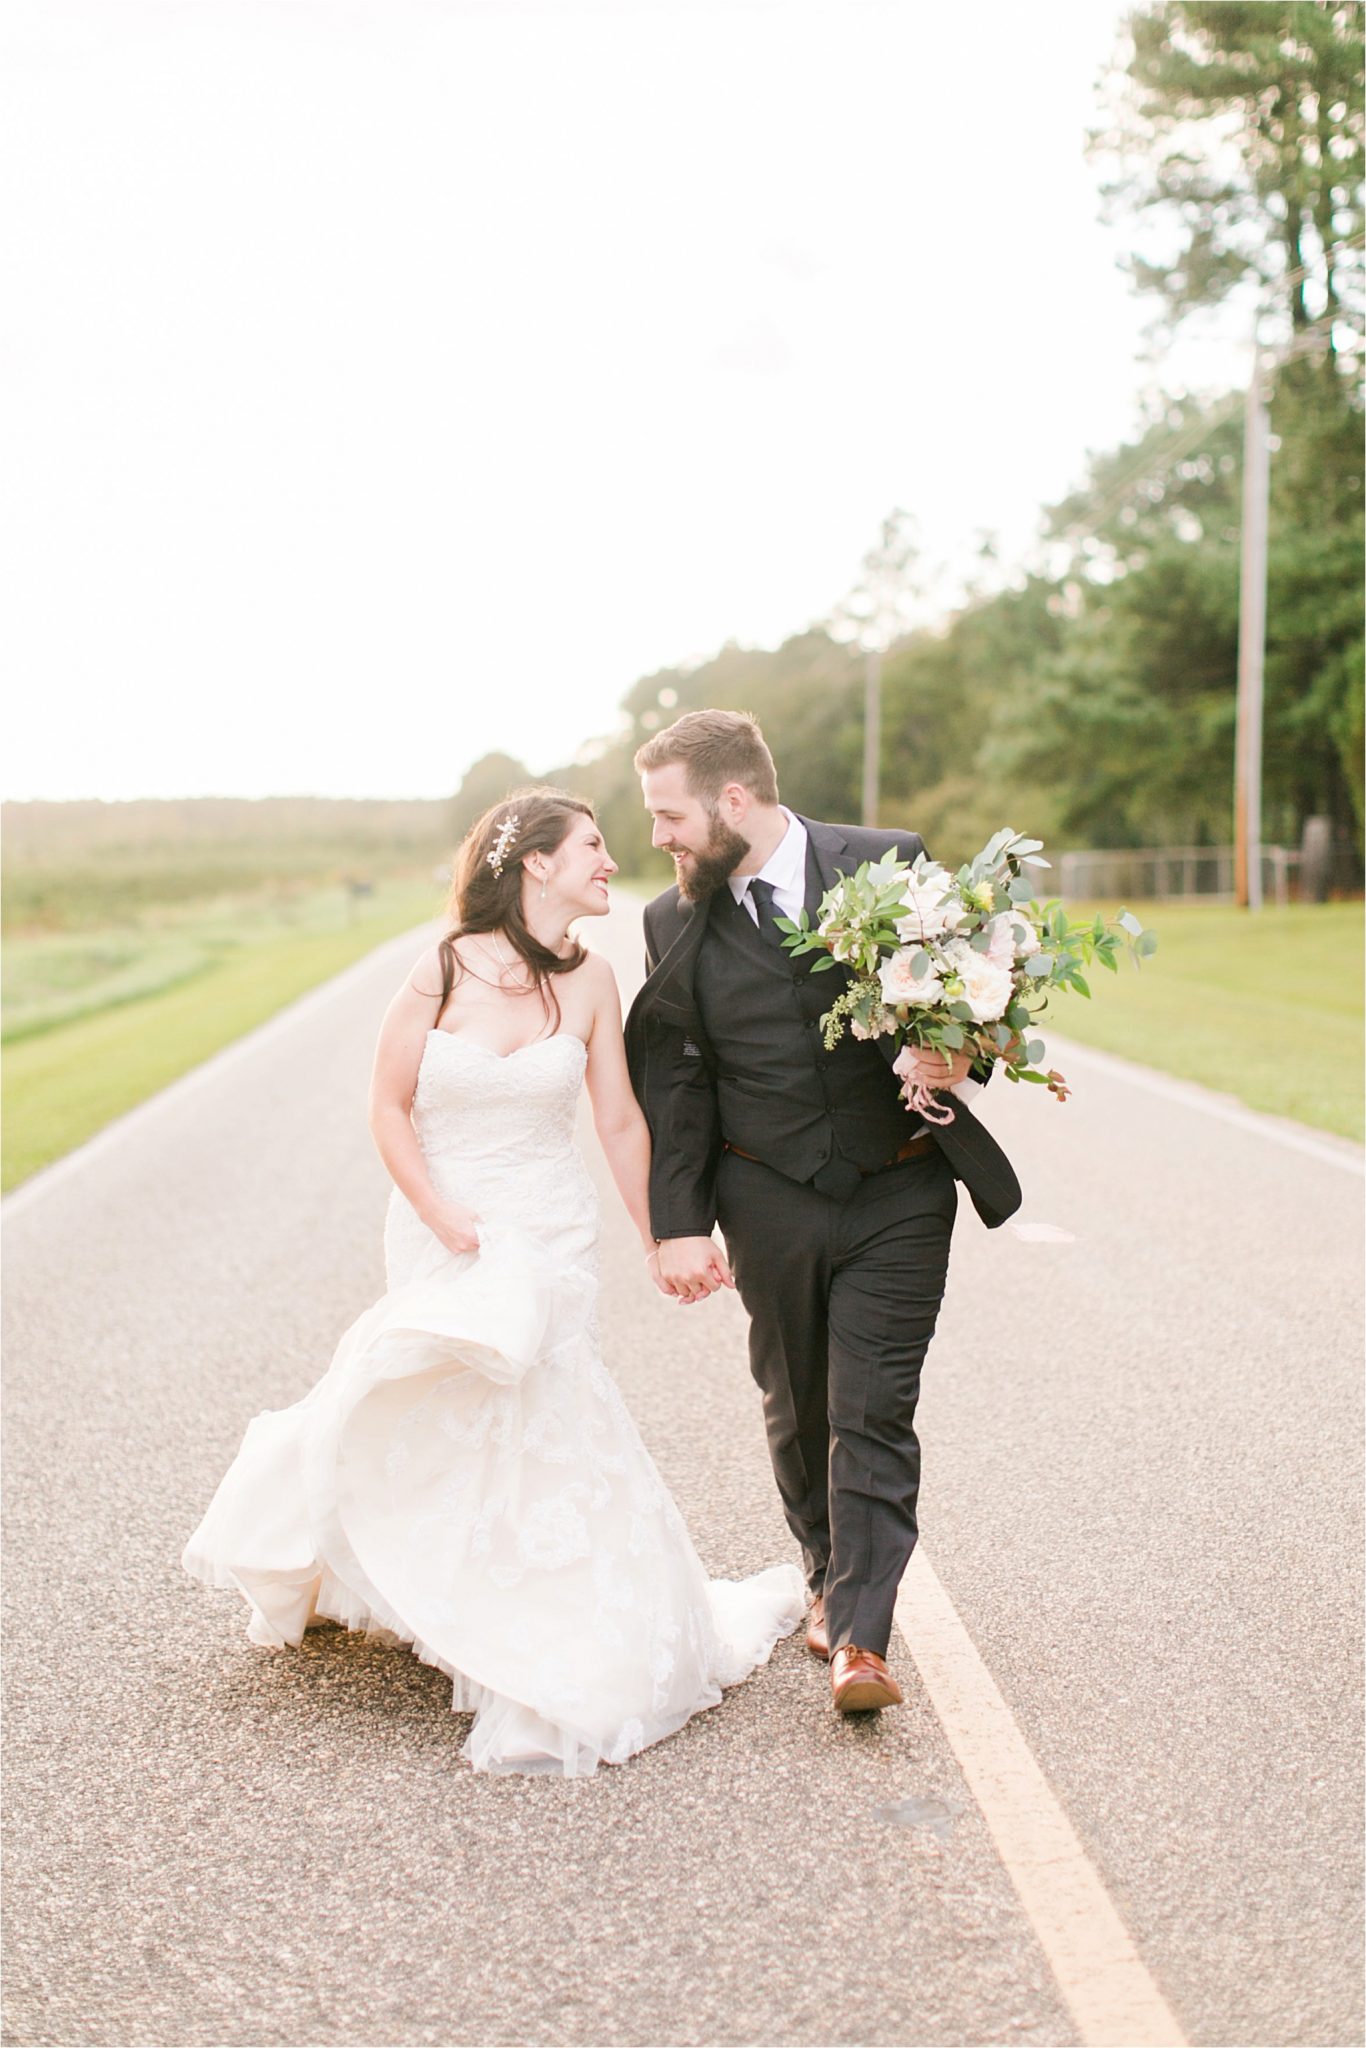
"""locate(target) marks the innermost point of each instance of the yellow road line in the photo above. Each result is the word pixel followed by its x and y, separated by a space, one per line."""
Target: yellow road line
pixel 1103 1980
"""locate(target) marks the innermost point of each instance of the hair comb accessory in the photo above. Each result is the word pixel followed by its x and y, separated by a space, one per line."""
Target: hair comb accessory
pixel 507 838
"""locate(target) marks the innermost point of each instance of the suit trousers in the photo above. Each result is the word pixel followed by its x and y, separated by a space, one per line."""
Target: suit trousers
pixel 843 1296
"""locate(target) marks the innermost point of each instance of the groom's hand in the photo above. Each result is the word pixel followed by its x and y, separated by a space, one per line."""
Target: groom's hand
pixel 935 1069
pixel 691 1268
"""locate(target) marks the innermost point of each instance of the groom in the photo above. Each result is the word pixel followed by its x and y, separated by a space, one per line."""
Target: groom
pixel 835 1203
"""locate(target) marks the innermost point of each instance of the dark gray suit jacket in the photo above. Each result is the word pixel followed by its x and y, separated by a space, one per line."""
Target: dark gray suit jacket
pixel 673 1072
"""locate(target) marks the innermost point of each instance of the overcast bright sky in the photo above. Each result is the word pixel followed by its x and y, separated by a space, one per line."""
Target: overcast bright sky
pixel 388 382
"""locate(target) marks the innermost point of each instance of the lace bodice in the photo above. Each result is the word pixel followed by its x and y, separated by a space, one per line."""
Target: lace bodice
pixel 474 1104
pixel 497 1133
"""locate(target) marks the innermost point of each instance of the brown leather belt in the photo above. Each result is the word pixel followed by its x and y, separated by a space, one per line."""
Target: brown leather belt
pixel 912 1149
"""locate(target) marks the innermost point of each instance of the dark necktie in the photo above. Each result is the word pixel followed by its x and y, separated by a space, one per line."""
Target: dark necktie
pixel 761 895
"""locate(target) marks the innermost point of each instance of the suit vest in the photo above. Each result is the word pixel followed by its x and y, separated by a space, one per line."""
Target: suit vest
pixel 782 1097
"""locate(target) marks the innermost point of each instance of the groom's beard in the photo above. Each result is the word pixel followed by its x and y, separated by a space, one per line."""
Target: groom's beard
pixel 702 874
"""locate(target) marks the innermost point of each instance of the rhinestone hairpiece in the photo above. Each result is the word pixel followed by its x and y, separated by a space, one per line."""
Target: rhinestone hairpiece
pixel 507 837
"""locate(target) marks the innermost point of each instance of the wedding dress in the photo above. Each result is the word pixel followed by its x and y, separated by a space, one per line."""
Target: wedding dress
pixel 466 1477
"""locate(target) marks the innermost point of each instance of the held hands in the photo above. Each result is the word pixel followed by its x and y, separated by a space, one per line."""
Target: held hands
pixel 455 1227
pixel 650 1247
pixel 689 1268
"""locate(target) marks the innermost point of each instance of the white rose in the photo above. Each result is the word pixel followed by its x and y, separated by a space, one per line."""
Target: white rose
pixel 987 984
pixel 899 985
pixel 1012 937
pixel 931 908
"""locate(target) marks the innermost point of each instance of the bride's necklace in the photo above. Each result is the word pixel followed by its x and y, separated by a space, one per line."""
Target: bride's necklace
pixel 520 984
pixel 503 960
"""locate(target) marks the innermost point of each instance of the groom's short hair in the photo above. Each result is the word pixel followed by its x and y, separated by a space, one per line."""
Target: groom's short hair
pixel 715 747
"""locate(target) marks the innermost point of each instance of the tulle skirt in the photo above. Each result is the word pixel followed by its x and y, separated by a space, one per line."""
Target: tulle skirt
pixel 466 1479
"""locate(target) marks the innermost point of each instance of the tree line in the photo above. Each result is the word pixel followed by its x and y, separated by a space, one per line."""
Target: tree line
pixel 1092 702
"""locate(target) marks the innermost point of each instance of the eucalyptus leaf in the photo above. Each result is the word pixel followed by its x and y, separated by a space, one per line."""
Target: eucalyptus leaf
pixel 1129 922
pixel 1034 1051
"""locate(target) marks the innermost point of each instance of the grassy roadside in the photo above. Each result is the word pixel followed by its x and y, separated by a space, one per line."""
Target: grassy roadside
pixel 1267 1008
pixel 64 1083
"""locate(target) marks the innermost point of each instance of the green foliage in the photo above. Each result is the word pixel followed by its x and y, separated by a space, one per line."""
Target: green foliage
pixel 944 696
pixel 892 919
pixel 1240 125
pixel 1131 715
pixel 806 695
pixel 485 784
pixel 1314 654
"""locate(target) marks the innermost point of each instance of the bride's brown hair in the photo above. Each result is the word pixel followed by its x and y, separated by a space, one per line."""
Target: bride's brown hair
pixel 486 894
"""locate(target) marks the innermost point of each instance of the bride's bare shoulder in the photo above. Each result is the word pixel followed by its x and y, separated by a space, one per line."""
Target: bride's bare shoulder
pixel 599 983
pixel 425 976
pixel 597 973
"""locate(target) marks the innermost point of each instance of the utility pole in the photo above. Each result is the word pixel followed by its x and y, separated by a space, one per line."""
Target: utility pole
pixel 879 607
pixel 872 731
pixel 1247 789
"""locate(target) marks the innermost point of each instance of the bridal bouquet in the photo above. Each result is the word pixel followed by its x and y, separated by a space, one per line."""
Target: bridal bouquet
pixel 956 962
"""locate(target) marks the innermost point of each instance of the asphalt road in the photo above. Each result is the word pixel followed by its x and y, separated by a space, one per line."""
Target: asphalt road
pixel 1142 1493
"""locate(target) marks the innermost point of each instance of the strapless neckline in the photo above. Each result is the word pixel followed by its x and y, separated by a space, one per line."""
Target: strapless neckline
pixel 457 1038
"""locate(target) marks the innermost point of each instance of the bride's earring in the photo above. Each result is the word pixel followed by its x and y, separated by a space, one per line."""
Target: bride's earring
pixel 543 887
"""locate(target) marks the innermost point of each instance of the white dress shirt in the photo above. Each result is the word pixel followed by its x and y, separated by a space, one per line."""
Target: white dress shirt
pixel 785 868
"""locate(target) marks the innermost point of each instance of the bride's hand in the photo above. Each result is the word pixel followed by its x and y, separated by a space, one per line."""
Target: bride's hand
pixel 650 1247
pixel 456 1228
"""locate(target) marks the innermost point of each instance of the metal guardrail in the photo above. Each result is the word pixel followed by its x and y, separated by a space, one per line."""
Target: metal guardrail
pixel 1161 873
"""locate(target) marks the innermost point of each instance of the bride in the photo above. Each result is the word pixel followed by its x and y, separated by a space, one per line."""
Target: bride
pixel 465 1476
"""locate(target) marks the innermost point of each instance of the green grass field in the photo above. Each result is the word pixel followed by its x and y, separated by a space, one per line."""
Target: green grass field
pixel 1267 1007
pixel 102 1020
pixel 54 978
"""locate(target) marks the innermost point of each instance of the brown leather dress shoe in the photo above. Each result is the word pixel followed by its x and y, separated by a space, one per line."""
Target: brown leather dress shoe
pixel 817 1635
pixel 860 1682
